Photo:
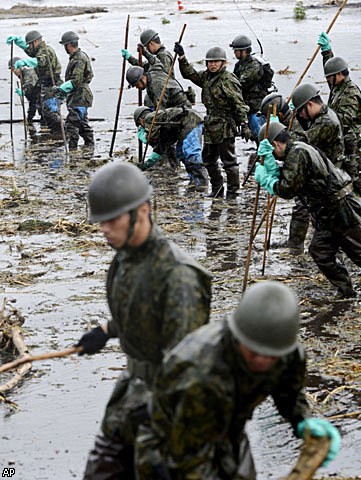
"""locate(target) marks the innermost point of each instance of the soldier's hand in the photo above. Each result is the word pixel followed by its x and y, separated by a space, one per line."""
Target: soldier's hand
pixel 178 49
pixel 246 132
pixel 93 341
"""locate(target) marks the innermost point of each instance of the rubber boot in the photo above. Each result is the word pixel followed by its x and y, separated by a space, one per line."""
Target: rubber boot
pixel 297 235
pixel 232 183
pixel 200 178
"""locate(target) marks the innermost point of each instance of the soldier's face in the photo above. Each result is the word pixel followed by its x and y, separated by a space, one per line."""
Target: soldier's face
pixel 142 84
pixel 116 230
pixel 214 65
pixel 255 362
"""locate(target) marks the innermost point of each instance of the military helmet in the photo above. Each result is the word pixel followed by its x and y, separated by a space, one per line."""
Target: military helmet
pixel 274 129
pixel 134 74
pixel 335 65
pixel 303 94
pixel 271 99
pixel 216 53
pixel 241 42
pixel 139 112
pixel 69 37
pixel 267 319
pixel 14 60
pixel 147 36
pixel 116 188
pixel 32 36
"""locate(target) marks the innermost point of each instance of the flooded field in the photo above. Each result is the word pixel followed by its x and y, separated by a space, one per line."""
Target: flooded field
pixel 53 264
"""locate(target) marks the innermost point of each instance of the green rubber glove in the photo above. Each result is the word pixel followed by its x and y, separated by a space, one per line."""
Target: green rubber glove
pixel 66 87
pixel 126 54
pixel 151 161
pixel 321 428
pixel 292 107
pixel 19 92
pixel 266 180
pixel 142 134
pixel 29 62
pixel 265 150
pixel 324 42
pixel 274 118
pixel 19 41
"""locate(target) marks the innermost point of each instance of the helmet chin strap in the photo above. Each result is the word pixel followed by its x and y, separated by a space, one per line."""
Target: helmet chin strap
pixel 133 219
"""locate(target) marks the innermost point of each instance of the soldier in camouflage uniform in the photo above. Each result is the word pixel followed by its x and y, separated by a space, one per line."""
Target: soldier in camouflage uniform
pixel 211 382
pixel 156 295
pixel 47 68
pixel 30 87
pixel 328 193
pixel 79 98
pixel 175 124
pixel 251 73
pixel 222 97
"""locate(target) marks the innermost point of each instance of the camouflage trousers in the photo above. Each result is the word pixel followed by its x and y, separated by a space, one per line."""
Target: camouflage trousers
pixel 298 226
pixel 77 125
pixel 112 457
pixel 226 152
pixel 50 109
pixel 153 462
pixel 324 247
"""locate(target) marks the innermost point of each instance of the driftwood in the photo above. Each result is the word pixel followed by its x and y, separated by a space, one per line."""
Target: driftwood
pixel 19 344
pixel 313 453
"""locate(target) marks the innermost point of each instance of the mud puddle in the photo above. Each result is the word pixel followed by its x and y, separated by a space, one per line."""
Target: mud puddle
pixel 53 264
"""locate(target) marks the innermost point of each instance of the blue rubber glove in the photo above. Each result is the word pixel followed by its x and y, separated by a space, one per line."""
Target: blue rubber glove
pixel 66 87
pixel 19 41
pixel 274 118
pixel 324 42
pixel 266 180
pixel 292 107
pixel 142 134
pixel 126 54
pixel 265 148
pixel 321 428
pixel 29 62
pixel 151 161
pixel 19 92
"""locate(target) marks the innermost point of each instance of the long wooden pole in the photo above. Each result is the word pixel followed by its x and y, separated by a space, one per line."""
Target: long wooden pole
pixel 11 90
pixel 162 95
pixel 140 103
pixel 254 216
pixel 317 49
pixel 23 105
pixel 120 89
pixel 62 128
pixel 35 358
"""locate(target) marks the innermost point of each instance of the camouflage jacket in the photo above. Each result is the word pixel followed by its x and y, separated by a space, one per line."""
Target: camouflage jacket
pixel 43 69
pixel 30 85
pixel 222 97
pixel 306 174
pixel 80 72
pixel 325 133
pixel 345 100
pixel 171 125
pixel 163 55
pixel 156 294
pixel 204 395
pixel 174 95
pixel 249 73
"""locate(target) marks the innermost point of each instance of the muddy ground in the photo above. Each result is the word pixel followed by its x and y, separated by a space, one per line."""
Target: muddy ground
pixel 53 264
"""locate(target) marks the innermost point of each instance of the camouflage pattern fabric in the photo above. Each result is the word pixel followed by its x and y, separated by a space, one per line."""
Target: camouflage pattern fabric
pixel 163 55
pixel 249 73
pixel 203 396
pixel 156 294
pixel 174 95
pixel 337 221
pixel 80 72
pixel 49 104
pixel 222 97
pixel 31 89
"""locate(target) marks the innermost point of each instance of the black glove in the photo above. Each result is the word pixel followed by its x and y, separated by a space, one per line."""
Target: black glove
pixel 246 132
pixel 93 341
pixel 140 48
pixel 178 49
